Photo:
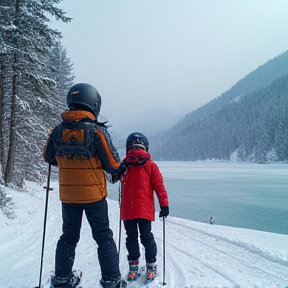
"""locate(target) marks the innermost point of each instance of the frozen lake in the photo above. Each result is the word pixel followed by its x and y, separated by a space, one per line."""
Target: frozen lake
pixel 246 195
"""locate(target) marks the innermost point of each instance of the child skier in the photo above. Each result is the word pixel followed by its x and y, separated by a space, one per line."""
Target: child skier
pixel 137 207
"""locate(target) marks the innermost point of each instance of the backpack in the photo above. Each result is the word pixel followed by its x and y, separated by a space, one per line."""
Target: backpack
pixel 75 140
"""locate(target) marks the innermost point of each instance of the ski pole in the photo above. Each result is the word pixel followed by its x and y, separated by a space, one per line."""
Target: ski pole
pixel 164 240
pixel 45 220
pixel 119 201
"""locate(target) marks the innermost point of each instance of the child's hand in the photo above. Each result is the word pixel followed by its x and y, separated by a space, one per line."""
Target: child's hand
pixel 122 169
pixel 164 212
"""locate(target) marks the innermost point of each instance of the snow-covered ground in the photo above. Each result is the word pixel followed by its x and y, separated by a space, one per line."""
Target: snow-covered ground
pixel 197 254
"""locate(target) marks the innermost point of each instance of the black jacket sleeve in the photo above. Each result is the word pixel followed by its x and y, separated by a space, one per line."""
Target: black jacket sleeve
pixel 49 151
pixel 106 151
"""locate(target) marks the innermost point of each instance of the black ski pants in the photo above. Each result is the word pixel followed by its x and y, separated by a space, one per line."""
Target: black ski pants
pixel 146 238
pixel 97 216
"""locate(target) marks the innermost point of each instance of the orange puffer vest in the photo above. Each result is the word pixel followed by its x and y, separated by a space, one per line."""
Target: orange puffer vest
pixel 82 180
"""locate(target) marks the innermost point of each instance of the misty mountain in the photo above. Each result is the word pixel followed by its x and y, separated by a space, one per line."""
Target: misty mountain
pixel 148 122
pixel 259 78
pixel 247 120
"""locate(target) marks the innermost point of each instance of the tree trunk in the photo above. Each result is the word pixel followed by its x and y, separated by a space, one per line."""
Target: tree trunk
pixel 12 127
pixel 1 117
pixel 11 152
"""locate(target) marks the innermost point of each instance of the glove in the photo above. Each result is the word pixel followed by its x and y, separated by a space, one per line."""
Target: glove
pixel 164 212
pixel 121 170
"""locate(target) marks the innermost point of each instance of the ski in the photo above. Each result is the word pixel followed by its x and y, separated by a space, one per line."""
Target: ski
pixel 147 283
pixel 150 283
pixel 142 282
pixel 154 284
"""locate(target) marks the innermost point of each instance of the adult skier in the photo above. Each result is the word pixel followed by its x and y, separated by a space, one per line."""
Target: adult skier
pixel 82 149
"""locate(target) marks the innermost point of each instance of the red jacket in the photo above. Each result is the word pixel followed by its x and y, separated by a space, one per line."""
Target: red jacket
pixel 142 178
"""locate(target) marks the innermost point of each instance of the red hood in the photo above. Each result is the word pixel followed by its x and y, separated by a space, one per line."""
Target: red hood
pixel 136 157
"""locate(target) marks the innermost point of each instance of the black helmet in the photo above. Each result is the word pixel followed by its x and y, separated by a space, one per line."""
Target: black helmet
pixel 86 95
pixel 137 139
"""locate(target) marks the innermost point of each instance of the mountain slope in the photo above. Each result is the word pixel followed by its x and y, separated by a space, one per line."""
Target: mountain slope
pixel 248 119
pixel 259 78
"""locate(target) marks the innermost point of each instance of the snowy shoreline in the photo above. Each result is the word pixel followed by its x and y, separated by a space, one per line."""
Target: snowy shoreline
pixel 198 255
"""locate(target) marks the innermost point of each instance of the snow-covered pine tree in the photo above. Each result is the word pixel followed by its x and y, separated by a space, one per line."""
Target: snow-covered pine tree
pixel 45 112
pixel 64 76
pixel 27 41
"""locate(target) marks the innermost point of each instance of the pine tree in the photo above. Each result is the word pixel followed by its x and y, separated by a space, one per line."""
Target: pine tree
pixel 1 114
pixel 27 41
pixel 64 76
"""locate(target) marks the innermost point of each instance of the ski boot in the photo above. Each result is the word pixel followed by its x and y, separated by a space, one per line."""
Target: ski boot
pixel 151 271
pixel 133 270
pixel 117 283
pixel 70 281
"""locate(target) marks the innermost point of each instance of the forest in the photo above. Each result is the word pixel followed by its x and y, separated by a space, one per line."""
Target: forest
pixel 35 75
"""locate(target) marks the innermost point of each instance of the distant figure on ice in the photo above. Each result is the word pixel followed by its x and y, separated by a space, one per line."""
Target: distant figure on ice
pixel 212 220
pixel 137 207
pixel 82 149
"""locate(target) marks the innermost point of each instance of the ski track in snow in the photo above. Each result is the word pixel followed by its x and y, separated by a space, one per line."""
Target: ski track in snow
pixel 198 255
pixel 223 250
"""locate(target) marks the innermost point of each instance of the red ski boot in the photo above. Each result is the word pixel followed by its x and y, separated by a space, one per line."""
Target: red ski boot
pixel 133 270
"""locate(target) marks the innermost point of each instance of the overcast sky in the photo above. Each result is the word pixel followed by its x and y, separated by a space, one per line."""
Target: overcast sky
pixel 175 54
